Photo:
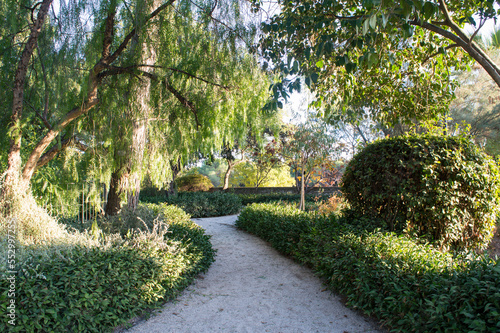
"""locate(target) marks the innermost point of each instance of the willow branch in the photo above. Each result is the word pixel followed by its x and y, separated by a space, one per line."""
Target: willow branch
pixel 131 34
pixel 50 154
pixel 116 70
pixel 186 103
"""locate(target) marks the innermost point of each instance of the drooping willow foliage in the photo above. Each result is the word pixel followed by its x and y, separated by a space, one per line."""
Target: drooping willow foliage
pixel 205 89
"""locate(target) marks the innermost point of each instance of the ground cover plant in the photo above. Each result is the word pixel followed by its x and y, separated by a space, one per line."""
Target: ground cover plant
pixel 122 268
pixel 201 204
pixel 408 286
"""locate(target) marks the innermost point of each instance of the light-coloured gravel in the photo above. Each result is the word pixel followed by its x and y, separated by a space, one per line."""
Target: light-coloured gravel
pixel 252 288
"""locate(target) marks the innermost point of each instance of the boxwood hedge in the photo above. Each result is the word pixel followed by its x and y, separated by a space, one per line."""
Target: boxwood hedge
pixel 201 204
pixel 443 190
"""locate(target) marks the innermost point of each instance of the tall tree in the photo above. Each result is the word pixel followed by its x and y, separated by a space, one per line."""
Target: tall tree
pixel 192 104
pixel 395 56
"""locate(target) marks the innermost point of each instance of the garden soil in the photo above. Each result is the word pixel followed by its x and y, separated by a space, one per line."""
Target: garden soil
pixel 252 288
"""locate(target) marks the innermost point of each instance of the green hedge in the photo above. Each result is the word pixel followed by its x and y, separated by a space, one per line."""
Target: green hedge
pixel 443 190
pixel 95 289
pixel 408 286
pixel 313 201
pixel 202 204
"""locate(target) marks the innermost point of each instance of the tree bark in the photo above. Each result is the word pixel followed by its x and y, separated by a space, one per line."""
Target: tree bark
pixel 139 111
pixel 14 162
pixel 113 204
pixel 302 205
pixel 230 167
pixel 139 136
pixel 176 168
pixel 227 174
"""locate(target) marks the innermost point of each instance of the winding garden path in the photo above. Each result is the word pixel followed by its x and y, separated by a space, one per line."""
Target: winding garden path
pixel 252 288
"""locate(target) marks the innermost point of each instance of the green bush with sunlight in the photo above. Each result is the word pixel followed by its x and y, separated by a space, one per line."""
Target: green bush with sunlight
pixel 441 189
pixel 96 280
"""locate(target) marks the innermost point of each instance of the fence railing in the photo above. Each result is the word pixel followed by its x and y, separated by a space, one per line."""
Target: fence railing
pixel 82 201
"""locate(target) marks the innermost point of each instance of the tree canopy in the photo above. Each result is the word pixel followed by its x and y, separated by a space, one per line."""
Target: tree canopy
pixel 393 57
pixel 77 71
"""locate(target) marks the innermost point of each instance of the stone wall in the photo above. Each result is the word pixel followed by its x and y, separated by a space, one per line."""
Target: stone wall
pixel 263 190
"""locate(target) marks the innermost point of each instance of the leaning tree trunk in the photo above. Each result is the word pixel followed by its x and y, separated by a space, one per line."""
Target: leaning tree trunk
pixel 302 205
pixel 226 175
pixel 230 167
pixel 14 182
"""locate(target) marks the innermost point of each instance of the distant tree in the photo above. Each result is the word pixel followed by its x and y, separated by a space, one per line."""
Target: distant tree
pixel 305 148
pixel 245 174
pixel 229 155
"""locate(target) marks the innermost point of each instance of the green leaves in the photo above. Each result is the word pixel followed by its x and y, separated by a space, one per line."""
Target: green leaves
pixel 95 289
pixel 357 40
pixel 440 189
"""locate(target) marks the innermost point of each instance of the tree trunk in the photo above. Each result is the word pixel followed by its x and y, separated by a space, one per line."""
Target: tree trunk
pixel 113 204
pixel 302 205
pixel 13 182
pixel 139 136
pixel 227 174
pixel 139 112
pixel 176 168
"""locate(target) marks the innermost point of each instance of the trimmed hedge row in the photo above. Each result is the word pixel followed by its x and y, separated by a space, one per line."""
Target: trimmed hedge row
pixel 95 289
pixel 201 204
pixel 247 199
pixel 408 286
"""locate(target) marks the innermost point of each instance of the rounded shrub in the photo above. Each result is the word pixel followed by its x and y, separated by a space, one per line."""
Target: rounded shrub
pixel 193 183
pixel 440 189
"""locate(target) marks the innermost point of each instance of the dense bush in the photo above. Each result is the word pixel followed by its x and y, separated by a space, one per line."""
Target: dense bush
pixel 96 288
pixel 250 198
pixel 199 204
pixel 441 189
pixel 408 286
pixel 193 183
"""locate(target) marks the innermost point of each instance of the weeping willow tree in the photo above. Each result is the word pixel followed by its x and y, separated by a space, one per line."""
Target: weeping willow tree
pixel 129 85
pixel 201 89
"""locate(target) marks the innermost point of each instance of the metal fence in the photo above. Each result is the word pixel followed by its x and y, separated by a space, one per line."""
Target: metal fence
pixel 80 202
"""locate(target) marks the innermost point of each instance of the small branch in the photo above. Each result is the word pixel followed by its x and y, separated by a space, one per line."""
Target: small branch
pixel 481 24
pixel 189 105
pixel 50 154
pixel 115 70
pixel 42 117
pixel 131 34
pixel 437 53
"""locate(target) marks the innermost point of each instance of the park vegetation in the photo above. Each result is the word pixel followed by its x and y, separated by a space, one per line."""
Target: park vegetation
pixel 101 99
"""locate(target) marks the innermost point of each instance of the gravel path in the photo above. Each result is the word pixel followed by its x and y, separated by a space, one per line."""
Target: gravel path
pixel 252 288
